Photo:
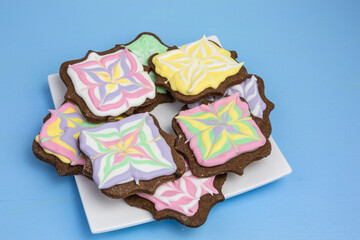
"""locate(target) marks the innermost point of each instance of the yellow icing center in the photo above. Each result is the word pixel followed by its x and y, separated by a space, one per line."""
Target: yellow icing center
pixel 196 66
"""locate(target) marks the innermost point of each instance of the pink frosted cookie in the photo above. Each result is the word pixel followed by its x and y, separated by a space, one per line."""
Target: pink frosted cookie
pixel 108 84
pixel 57 142
pixel 220 137
pixel 188 199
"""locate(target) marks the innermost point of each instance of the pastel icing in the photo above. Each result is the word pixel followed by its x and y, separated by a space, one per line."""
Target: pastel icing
pixel 249 91
pixel 131 149
pixel 182 195
pixel 196 66
pixel 111 84
pixel 145 46
pixel 59 134
pixel 220 131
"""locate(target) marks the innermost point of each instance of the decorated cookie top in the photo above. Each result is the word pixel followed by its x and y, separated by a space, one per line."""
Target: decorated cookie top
pixel 249 91
pixel 182 195
pixel 59 134
pixel 110 84
pixel 145 46
pixel 131 149
pixel 196 66
pixel 220 131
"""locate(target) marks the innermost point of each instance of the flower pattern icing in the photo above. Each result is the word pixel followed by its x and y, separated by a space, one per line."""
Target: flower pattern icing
pixel 182 195
pixel 220 131
pixel 111 84
pixel 59 134
pixel 196 66
pixel 248 90
pixel 127 150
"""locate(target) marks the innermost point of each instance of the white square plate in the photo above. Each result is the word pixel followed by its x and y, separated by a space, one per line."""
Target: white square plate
pixel 105 214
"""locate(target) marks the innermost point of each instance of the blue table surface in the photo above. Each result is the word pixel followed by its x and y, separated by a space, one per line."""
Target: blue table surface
pixel 307 52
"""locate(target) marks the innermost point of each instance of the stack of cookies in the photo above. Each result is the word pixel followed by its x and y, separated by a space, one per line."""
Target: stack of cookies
pixel 104 129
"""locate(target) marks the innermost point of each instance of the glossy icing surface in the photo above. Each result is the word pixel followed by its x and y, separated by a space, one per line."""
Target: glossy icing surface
pixel 196 66
pixel 182 195
pixel 249 91
pixel 111 84
pixel 145 46
pixel 131 149
pixel 59 134
pixel 220 131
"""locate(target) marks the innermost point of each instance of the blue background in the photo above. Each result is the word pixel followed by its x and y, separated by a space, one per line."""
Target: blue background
pixel 307 52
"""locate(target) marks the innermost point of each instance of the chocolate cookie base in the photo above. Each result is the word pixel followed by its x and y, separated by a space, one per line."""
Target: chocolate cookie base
pixel 144 186
pixel 62 168
pixel 206 203
pixel 73 97
pixel 264 123
pixel 230 81
pixel 235 165
pixel 139 35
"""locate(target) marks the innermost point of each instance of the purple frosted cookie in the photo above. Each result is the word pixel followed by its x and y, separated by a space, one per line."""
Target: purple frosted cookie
pixel 130 156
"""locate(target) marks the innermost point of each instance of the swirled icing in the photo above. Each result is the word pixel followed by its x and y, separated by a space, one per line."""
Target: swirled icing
pixel 196 66
pixel 127 150
pixel 248 90
pixel 220 131
pixel 182 195
pixel 145 46
pixel 111 84
pixel 59 134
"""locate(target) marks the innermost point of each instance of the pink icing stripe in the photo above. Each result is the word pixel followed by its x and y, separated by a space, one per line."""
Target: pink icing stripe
pixel 82 77
pixel 83 64
pixel 138 93
pixel 118 158
pixel 167 198
pixel 110 58
pixel 134 140
pixel 58 149
pixel 109 143
pixel 133 64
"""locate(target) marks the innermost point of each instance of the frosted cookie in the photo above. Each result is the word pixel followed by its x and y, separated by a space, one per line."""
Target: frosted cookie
pixel 188 199
pixel 143 46
pixel 197 70
pixel 220 137
pixel 57 141
pixel 108 84
pixel 130 156
pixel 253 91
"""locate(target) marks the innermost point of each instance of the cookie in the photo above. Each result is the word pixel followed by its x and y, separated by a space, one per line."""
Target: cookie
pixel 143 46
pixel 253 91
pixel 188 199
pixel 220 137
pixel 197 70
pixel 130 156
pixel 57 141
pixel 107 84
